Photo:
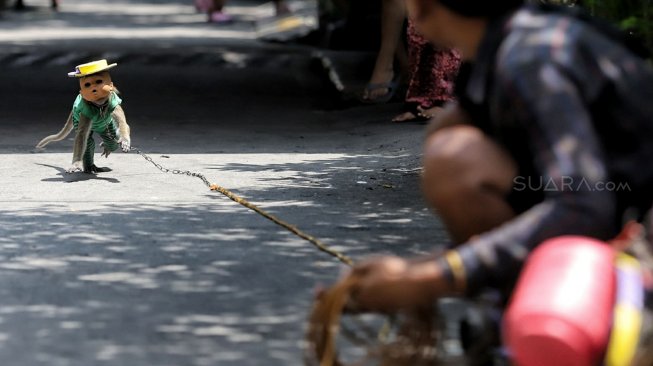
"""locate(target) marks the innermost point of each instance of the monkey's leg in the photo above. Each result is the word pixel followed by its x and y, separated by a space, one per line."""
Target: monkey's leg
pixel 88 154
pixel 110 139
pixel 83 127
pixel 89 166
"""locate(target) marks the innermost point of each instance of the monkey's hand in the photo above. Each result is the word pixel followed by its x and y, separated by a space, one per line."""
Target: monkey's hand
pixel 76 167
pixel 105 151
pixel 125 144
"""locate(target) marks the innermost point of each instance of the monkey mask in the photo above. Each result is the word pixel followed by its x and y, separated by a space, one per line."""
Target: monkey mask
pixel 96 88
pixel 94 80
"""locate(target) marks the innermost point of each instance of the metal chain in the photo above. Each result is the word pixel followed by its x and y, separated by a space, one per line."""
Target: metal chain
pixel 214 187
pixel 173 171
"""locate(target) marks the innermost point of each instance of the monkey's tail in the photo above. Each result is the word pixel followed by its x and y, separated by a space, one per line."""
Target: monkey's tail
pixel 59 136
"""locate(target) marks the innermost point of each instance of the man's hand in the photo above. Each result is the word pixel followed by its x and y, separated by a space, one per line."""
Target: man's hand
pixel 76 167
pixel 391 284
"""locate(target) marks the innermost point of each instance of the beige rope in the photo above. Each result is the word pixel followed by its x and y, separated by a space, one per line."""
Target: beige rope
pixel 324 321
pixel 293 229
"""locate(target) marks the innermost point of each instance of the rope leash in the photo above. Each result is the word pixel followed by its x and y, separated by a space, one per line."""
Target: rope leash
pixel 227 193
pixel 324 322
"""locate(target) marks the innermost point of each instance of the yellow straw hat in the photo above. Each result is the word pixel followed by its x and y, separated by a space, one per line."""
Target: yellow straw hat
pixel 90 68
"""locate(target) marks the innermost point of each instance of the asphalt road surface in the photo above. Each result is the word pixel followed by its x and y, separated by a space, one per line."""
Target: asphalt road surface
pixel 140 267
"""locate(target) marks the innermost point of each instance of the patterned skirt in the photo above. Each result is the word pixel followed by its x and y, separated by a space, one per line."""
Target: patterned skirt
pixel 432 71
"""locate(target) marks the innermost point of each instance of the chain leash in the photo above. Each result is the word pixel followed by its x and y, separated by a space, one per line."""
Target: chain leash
pixel 227 193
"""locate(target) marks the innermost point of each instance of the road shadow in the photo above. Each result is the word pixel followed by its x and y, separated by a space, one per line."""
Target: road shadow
pixel 66 177
pixel 140 284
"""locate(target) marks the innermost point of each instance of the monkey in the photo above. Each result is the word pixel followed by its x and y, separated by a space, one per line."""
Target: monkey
pixel 96 109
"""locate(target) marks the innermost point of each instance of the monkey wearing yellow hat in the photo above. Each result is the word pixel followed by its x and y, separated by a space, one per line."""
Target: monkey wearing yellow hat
pixel 96 109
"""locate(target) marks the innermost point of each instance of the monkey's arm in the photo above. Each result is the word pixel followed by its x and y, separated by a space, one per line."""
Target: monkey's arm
pixel 81 139
pixel 67 127
pixel 123 127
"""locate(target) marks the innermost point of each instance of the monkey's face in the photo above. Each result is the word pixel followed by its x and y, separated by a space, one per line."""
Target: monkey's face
pixel 96 87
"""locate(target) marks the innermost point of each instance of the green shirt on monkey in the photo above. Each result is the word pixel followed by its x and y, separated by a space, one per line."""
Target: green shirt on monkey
pixel 103 122
pixel 100 116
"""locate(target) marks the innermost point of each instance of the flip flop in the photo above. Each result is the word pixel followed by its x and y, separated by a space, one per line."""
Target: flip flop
pixel 382 99
pixel 218 17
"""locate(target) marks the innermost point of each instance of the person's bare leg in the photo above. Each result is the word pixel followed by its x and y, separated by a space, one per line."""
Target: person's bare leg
pixel 467 177
pixel 393 16
pixel 401 58
pixel 216 5
pixel 430 112
pixel 281 8
pixel 422 113
pixel 404 117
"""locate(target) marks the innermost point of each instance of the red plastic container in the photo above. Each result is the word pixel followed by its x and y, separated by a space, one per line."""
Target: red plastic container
pixel 562 308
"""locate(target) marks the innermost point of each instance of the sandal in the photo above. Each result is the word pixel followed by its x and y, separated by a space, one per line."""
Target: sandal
pixel 382 99
pixel 219 17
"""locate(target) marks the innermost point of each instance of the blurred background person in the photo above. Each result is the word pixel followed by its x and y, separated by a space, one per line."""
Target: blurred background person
pixel 428 71
pixel 216 14
pixel 432 73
